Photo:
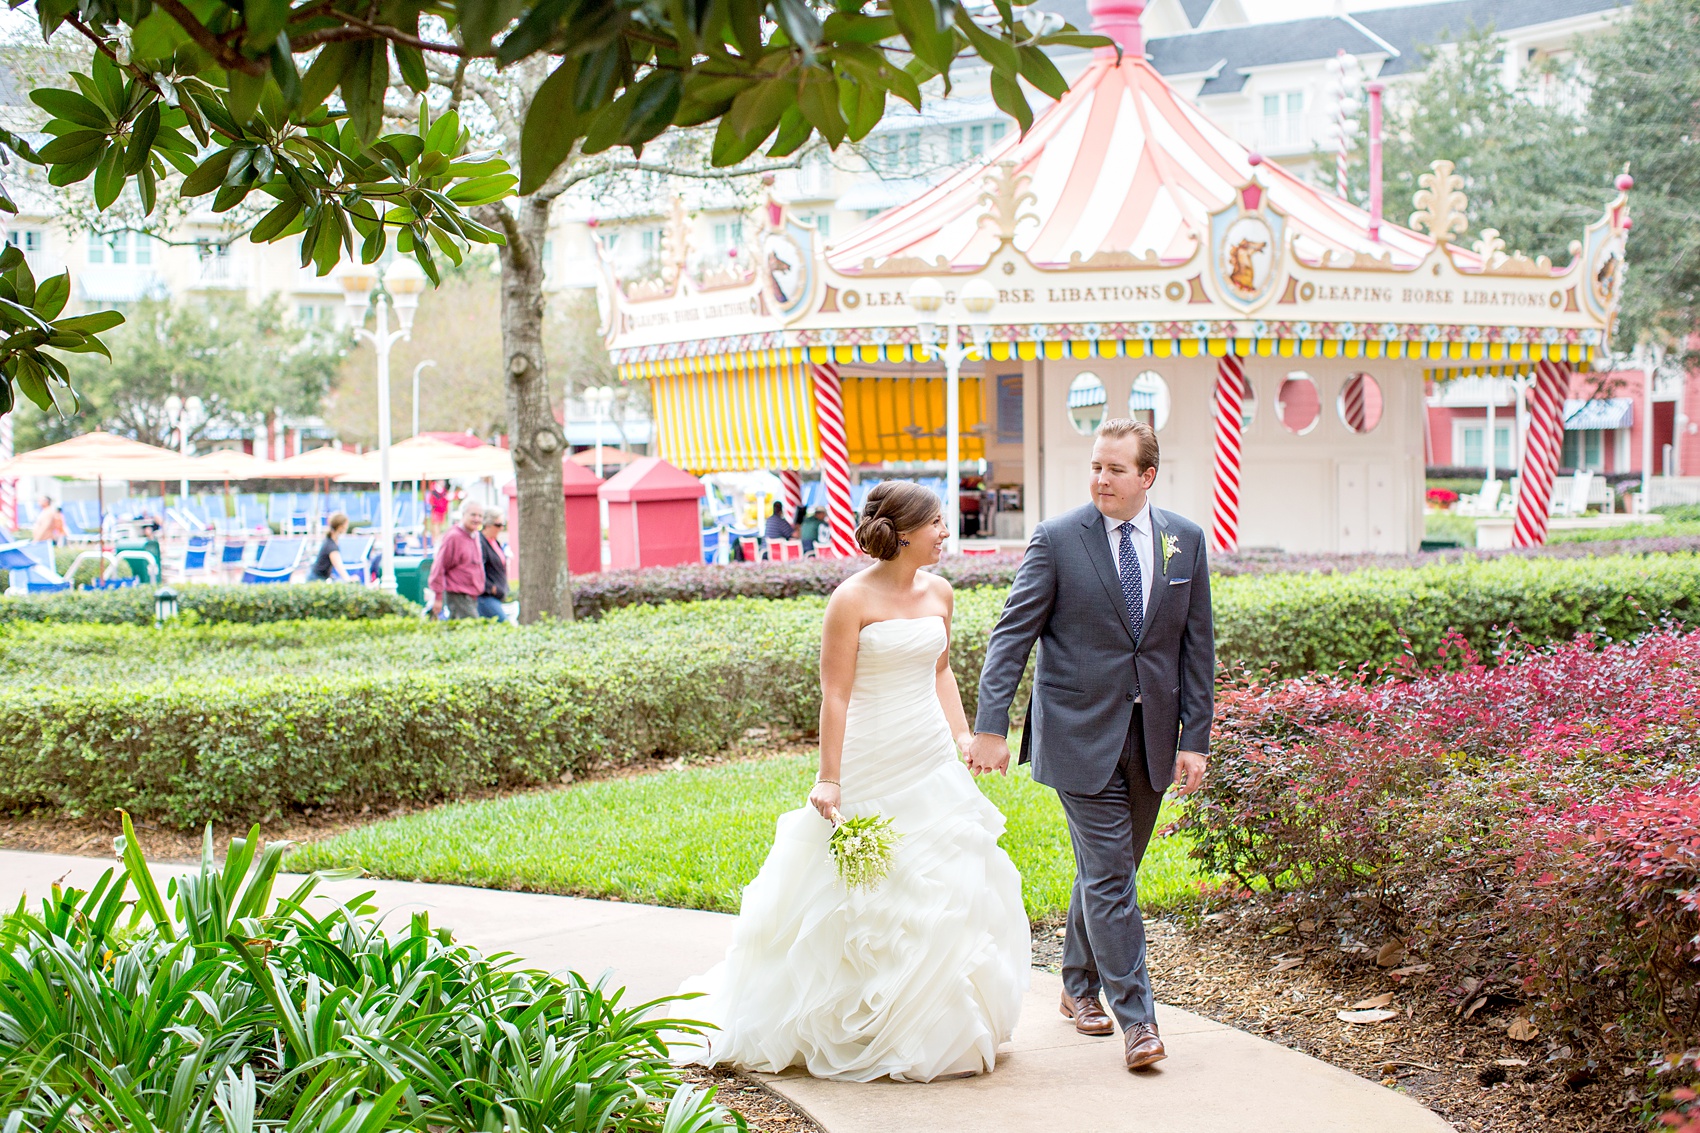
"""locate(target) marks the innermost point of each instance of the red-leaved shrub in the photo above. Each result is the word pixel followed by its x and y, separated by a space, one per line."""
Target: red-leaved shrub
pixel 1535 823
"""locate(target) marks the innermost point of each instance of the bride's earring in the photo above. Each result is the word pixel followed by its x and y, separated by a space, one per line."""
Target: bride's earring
pixel 902 542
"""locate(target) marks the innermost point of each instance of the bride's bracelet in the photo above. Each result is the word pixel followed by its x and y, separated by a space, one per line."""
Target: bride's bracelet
pixel 834 782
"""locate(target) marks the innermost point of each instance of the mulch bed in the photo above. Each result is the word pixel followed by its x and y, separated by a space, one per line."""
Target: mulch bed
pixel 1252 968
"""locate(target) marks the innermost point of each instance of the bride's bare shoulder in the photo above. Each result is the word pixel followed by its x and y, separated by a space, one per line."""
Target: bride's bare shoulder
pixel 936 583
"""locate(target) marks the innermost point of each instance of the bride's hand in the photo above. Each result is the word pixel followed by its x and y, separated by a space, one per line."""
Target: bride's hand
pixel 825 798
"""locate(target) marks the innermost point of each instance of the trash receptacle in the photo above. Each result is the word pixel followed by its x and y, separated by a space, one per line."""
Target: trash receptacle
pixel 411 571
pixel 145 571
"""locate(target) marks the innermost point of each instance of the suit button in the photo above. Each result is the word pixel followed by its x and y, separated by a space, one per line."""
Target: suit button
pixel 1130 696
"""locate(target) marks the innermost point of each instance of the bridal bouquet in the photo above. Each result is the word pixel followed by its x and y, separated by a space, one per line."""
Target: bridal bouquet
pixel 862 848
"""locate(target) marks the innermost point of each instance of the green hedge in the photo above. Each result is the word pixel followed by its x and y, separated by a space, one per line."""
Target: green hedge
pixel 274 602
pixel 1297 623
pixel 236 722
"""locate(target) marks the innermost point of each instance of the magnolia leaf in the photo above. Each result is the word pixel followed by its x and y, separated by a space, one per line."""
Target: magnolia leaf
pixel 1391 954
pixel 1374 1015
pixel 1373 1001
pixel 551 127
pixel 1522 1030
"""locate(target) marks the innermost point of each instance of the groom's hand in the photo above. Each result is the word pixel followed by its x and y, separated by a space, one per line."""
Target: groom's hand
pixel 1189 772
pixel 988 752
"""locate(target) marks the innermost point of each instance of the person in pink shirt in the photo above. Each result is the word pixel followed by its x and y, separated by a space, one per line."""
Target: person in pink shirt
pixel 457 576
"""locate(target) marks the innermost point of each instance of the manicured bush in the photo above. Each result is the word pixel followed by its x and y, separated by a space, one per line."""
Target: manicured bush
pixel 234 722
pixel 665 681
pixel 595 594
pixel 134 605
pixel 214 1006
pixel 1531 830
pixel 1288 624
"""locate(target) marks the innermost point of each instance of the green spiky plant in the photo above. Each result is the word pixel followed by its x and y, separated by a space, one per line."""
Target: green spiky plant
pixel 217 1007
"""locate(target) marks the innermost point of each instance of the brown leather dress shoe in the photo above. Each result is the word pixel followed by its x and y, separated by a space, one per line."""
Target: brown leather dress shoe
pixel 1143 1046
pixel 1088 1015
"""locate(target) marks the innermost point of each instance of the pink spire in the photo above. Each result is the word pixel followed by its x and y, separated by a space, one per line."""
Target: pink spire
pixel 1119 19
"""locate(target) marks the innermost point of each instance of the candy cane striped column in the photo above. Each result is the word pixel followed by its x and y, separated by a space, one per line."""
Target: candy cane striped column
pixel 1230 408
pixel 8 488
pixel 791 485
pixel 1352 407
pixel 1541 453
pixel 834 458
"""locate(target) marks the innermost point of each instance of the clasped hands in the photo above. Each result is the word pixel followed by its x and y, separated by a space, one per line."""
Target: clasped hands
pixel 986 752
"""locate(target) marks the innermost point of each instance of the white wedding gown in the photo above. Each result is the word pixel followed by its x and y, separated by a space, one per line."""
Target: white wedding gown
pixel 916 978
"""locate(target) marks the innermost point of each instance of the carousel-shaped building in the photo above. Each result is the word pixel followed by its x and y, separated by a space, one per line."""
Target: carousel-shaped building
pixel 1136 261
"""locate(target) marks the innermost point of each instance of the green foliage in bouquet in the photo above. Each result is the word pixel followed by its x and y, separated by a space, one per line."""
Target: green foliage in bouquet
pixel 862 849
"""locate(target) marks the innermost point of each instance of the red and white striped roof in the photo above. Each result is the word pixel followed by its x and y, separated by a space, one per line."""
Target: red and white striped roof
pixel 1120 164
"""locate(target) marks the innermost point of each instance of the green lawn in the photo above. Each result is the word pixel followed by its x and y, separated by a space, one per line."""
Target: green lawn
pixel 691 838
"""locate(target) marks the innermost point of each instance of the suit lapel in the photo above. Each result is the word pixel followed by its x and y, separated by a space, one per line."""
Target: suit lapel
pixel 1159 584
pixel 1098 550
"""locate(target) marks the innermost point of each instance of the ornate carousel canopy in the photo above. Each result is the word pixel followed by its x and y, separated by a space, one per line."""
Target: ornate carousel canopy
pixel 1124 223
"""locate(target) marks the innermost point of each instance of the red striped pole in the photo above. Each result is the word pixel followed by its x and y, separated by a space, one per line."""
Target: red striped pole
pixel 1230 408
pixel 1541 453
pixel 8 488
pixel 791 485
pixel 834 458
pixel 1352 404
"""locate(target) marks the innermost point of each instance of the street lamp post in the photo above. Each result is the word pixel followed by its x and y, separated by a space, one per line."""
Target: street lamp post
pixel 184 415
pixel 416 369
pixel 926 296
pixel 402 283
pixel 601 399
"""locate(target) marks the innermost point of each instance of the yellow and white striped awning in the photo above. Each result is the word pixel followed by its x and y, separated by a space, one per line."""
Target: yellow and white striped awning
pixel 901 417
pixel 736 412
pixel 1458 353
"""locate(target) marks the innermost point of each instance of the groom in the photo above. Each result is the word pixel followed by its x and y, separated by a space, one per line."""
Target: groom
pixel 1117 594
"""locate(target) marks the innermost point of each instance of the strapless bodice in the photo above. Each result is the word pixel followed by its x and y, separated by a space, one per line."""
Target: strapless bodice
pixel 895 731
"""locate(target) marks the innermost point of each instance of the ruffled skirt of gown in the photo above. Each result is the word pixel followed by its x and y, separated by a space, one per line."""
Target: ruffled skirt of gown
pixel 918 977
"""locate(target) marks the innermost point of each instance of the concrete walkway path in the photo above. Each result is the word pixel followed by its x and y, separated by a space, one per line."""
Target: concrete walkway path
pixel 1216 1079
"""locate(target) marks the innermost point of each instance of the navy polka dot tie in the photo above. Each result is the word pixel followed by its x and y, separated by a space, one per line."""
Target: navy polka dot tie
pixel 1133 588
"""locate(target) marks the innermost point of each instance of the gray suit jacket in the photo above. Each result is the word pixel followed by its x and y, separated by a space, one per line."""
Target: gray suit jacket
pixel 1067 598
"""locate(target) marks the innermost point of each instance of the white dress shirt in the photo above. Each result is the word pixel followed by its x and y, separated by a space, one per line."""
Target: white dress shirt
pixel 1142 546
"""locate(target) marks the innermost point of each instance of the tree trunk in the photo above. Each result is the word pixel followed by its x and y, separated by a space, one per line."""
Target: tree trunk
pixel 545 586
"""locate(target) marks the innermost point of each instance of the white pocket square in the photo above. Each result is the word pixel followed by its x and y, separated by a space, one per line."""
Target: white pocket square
pixel 1178 581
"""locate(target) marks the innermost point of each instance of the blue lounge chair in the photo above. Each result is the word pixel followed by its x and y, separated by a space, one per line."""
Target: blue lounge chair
pixel 277 562
pixel 82 518
pixel 197 554
pixel 42 577
pixel 357 556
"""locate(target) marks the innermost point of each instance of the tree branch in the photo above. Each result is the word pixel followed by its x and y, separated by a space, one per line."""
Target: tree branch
pixel 496 216
pixel 210 43
pixel 700 173
pixel 360 29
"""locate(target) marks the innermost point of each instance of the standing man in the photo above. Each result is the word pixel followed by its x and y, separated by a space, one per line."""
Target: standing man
pixel 495 567
pixel 458 573
pixel 1117 595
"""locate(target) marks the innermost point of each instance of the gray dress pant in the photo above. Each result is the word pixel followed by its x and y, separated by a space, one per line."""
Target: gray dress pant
pixel 1105 945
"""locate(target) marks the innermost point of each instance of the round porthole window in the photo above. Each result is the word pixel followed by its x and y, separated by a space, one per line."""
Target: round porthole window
pixel 1149 401
pixel 1298 406
pixel 1086 398
pixel 1360 403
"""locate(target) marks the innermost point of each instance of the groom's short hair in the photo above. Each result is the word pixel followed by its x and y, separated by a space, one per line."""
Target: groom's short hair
pixel 1145 439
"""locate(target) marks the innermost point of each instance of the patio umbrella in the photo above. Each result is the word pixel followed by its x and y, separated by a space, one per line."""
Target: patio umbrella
pixel 425 458
pixel 97 456
pixel 609 456
pixel 228 464
pixel 324 463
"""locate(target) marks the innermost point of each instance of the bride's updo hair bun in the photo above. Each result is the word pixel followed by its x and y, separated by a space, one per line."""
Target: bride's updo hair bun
pixel 892 510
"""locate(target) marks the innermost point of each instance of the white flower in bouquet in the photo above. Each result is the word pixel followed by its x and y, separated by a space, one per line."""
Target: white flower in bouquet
pixel 863 849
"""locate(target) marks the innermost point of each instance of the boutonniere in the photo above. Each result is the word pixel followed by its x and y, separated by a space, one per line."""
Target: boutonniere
pixel 1171 544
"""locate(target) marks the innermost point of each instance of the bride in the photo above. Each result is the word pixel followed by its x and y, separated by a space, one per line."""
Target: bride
pixel 920 976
